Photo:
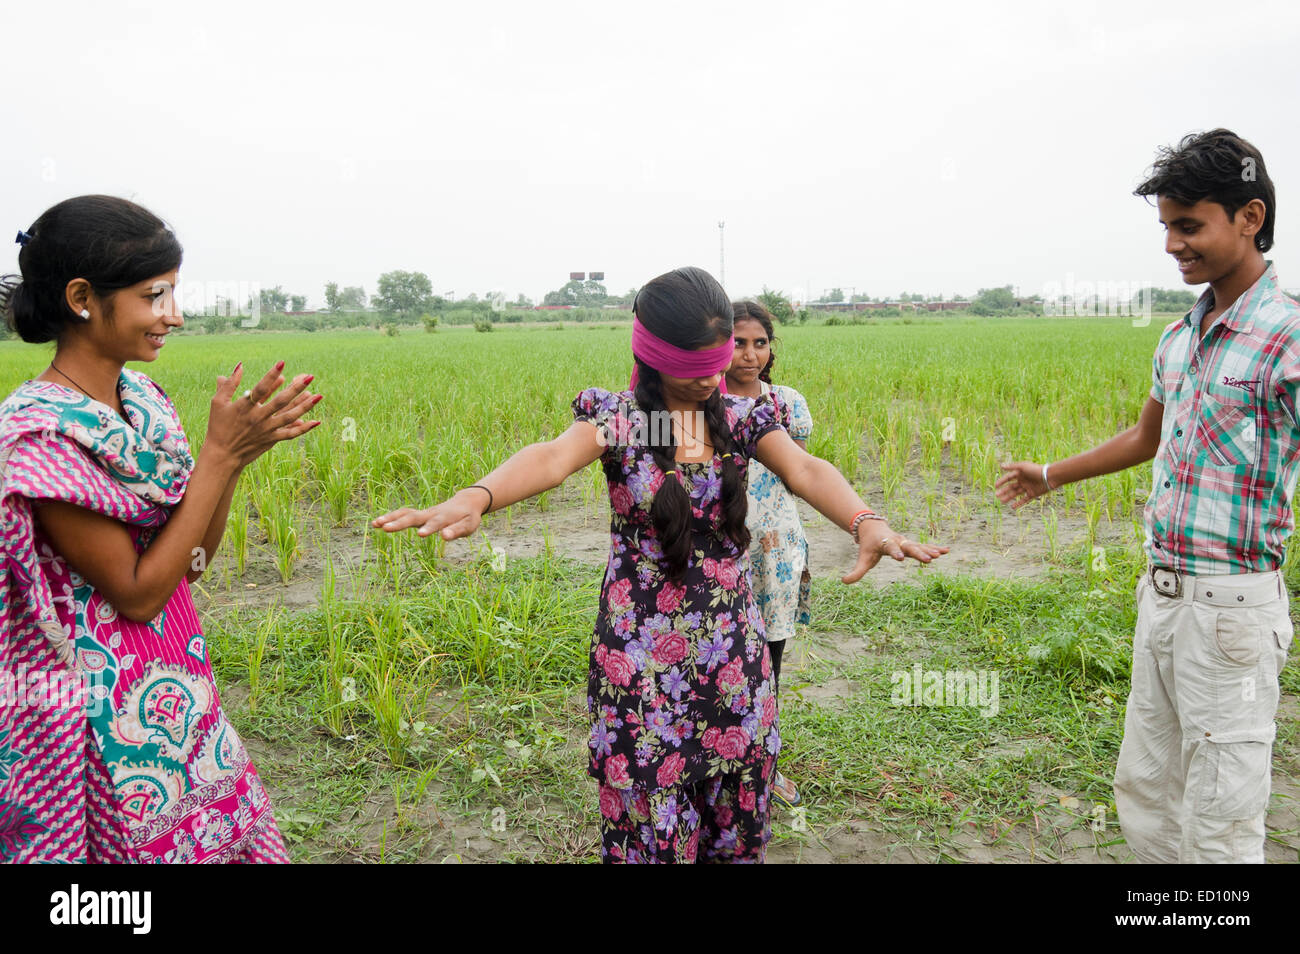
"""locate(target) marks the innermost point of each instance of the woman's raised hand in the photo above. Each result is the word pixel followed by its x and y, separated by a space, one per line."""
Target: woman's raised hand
pixel 875 539
pixel 247 426
pixel 457 517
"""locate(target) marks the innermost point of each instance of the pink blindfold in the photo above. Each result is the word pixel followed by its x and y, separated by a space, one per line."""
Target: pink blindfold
pixel 679 362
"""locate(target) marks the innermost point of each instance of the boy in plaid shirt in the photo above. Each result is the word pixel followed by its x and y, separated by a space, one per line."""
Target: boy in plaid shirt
pixel 1221 421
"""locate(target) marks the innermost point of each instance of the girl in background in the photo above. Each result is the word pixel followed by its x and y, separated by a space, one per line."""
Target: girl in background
pixel 105 520
pixel 684 723
pixel 778 549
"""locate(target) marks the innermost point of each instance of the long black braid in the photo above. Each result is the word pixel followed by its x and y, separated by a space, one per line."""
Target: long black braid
pixel 670 512
pixel 688 309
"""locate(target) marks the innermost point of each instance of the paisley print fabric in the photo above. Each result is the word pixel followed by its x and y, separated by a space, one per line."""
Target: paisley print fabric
pixel 131 759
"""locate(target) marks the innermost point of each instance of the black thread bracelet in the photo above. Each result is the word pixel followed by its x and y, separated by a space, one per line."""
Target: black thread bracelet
pixel 486 491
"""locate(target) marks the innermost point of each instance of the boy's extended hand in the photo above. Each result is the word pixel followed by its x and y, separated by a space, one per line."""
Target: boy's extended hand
pixel 457 517
pixel 875 539
pixel 1022 482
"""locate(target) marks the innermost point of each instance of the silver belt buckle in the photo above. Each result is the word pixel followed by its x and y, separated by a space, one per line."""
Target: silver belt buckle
pixel 1167 582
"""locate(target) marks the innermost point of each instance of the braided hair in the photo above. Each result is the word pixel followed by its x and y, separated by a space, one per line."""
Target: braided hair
pixel 689 309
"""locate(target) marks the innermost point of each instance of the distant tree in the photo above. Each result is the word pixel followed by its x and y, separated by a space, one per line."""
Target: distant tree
pixel 860 296
pixel 404 293
pixel 1166 299
pixel 835 294
pixel 273 299
pixel 352 298
pixel 587 294
pixel 297 302
pixel 776 302
pixel 332 296
pixel 994 301
pixel 523 301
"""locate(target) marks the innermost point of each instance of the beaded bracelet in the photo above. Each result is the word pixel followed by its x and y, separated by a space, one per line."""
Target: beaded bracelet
pixel 858 518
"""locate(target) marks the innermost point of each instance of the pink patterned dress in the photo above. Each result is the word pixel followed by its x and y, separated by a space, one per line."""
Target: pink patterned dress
pixel 113 743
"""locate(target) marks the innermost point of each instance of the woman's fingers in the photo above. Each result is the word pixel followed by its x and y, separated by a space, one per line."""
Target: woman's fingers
pixel 288 397
pixel 453 521
pixel 400 519
pixel 228 384
pixel 454 530
pixel 925 552
pixel 291 412
pixel 296 429
pixel 264 388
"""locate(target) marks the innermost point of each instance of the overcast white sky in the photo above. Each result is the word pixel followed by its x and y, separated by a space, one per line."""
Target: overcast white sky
pixel 923 147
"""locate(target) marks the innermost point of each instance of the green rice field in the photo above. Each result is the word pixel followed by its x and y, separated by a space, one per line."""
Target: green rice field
pixel 411 700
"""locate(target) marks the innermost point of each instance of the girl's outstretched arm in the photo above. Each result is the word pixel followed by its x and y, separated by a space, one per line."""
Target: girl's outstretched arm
pixel 818 482
pixel 535 469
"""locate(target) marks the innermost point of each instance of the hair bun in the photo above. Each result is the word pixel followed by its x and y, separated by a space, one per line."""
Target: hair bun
pixel 22 315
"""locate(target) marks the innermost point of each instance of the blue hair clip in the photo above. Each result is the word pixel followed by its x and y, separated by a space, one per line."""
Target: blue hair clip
pixel 23 237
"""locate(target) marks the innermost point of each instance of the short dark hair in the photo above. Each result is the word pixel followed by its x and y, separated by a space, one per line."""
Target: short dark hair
pixel 1217 165
pixel 112 243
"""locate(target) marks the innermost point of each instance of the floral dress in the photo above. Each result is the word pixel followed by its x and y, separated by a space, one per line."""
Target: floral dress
pixel 679 687
pixel 778 548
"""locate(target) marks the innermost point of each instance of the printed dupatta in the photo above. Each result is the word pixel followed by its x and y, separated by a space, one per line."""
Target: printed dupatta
pixel 137 762
pixel 144 468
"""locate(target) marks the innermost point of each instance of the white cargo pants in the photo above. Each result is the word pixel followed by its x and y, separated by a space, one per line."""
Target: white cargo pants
pixel 1192 781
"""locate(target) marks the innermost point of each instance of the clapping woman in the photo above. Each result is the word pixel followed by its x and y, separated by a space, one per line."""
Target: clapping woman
pixel 105 520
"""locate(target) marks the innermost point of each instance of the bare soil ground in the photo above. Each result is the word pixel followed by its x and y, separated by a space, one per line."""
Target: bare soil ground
pixel 1011 546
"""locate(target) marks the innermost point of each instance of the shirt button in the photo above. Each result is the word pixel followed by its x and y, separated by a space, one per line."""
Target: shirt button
pixel 1178 433
pixel 1157 543
pixel 1166 483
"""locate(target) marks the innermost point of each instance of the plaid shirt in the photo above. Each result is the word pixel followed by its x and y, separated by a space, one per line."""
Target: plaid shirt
pixel 1225 472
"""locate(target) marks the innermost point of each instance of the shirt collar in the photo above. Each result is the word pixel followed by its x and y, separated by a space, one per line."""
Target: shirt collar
pixel 1237 318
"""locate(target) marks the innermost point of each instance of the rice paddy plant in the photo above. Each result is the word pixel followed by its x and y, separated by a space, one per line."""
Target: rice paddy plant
pixel 1049 531
pixel 257 656
pixel 236 535
pixel 279 519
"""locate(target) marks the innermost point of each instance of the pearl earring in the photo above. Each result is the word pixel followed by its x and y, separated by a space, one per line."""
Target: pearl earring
pixel 85 314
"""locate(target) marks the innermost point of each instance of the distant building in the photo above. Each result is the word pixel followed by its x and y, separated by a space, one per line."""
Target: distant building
pixel 882 305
